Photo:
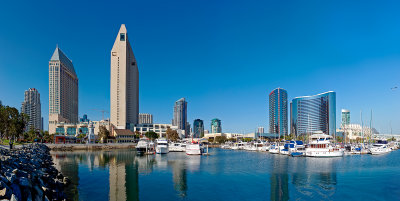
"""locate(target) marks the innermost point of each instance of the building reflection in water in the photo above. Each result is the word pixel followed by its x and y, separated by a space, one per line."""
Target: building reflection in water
pixel 124 168
pixel 280 178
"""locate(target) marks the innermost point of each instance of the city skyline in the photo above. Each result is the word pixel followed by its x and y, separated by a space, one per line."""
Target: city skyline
pixel 342 59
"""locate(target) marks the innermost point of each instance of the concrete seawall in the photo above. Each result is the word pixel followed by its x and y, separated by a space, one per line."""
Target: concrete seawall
pixel 71 147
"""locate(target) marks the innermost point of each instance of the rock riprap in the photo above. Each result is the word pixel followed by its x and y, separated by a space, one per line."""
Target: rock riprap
pixel 28 174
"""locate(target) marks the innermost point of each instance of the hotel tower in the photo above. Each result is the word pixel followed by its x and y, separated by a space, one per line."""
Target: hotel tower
pixel 124 91
pixel 63 90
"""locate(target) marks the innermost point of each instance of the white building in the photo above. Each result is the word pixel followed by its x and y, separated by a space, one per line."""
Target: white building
pixel 354 131
pixel 160 129
pixel 145 118
pixel 71 129
pixel 124 89
pixel 32 107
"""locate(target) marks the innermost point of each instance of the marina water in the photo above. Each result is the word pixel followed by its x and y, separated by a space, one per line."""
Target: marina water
pixel 228 175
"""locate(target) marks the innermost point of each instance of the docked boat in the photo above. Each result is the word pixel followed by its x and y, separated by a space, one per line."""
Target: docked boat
pixel 321 146
pixel 162 146
pixel 177 147
pixel 274 149
pixel 142 146
pixel 380 147
pixel 298 150
pixel 238 146
pixel 194 149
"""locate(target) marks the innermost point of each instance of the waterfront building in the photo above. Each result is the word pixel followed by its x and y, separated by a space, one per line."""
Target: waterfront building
pixel 32 107
pixel 124 89
pixel 180 116
pixel 354 131
pixel 63 90
pixel 145 118
pixel 198 128
pixel 278 112
pixel 206 132
pixel 345 117
pixel 260 130
pixel 160 129
pixel 73 129
pixel 216 126
pixel 314 113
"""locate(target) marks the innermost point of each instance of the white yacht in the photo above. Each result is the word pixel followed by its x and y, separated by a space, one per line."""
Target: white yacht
pixel 194 149
pixel 238 146
pixel 321 146
pixel 142 146
pixel 162 146
pixel 380 147
pixel 274 149
pixel 177 147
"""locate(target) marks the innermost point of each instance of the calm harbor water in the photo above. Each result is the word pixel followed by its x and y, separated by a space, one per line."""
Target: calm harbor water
pixel 228 175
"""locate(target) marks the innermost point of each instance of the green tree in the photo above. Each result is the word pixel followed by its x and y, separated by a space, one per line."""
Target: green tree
pixel 12 123
pixel 220 139
pixel 104 133
pixel 137 134
pixel 172 135
pixel 151 135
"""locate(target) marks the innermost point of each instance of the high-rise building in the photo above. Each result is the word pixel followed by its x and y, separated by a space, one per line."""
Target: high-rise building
pixel 345 117
pixel 84 118
pixel 216 126
pixel 63 89
pixel 314 113
pixel 260 130
pixel 198 128
pixel 180 116
pixel 278 112
pixel 124 91
pixel 32 107
pixel 145 118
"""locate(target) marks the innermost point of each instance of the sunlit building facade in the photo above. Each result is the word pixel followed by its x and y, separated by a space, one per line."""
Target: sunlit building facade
pixel 314 113
pixel 345 117
pixel 32 107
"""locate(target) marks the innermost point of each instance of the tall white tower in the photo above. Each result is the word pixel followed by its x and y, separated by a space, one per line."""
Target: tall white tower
pixel 124 108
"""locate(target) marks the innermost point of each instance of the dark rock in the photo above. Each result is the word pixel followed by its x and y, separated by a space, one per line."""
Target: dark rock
pixel 24 182
pixel 16 191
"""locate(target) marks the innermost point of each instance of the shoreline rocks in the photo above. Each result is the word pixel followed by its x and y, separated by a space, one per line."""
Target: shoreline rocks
pixel 28 174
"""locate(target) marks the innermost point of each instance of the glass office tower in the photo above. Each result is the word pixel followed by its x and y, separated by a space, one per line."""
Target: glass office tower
pixel 278 112
pixel 314 113
pixel 198 128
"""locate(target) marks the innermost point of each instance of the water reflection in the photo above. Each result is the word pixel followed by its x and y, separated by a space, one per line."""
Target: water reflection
pixel 225 175
pixel 124 168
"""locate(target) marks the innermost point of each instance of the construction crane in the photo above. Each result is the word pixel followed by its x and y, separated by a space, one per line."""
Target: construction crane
pixel 102 112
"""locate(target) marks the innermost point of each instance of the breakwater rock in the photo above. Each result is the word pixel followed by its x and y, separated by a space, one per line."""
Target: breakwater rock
pixel 28 174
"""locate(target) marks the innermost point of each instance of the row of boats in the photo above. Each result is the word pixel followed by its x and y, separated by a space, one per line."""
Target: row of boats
pixel 162 146
pixel 320 145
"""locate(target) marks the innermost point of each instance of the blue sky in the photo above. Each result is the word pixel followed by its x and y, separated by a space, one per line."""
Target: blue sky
pixel 224 57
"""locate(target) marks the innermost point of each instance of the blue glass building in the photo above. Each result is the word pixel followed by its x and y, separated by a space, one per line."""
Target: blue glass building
pixel 216 126
pixel 314 113
pixel 198 128
pixel 278 112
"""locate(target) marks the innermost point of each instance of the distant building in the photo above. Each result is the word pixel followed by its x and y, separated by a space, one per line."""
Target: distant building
pixel 145 118
pixel 124 89
pixel 180 116
pixel 206 132
pixel 278 112
pixel 198 128
pixel 354 131
pixel 216 126
pixel 63 90
pixel 160 129
pixel 84 118
pixel 345 117
pixel 260 130
pixel 32 107
pixel 314 113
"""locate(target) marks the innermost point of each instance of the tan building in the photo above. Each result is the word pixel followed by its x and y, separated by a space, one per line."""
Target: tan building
pixel 32 107
pixel 63 90
pixel 124 89
pixel 78 128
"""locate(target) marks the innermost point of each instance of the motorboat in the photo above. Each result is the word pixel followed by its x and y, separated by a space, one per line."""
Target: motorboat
pixel 194 149
pixel 162 146
pixel 142 146
pixel 274 149
pixel 238 146
pixel 298 150
pixel 177 147
pixel 380 147
pixel 321 146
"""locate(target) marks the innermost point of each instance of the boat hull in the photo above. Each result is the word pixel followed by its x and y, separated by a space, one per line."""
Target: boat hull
pixel 162 150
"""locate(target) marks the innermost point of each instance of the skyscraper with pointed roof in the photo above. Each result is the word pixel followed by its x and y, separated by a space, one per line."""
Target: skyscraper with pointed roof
pixel 63 89
pixel 124 89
